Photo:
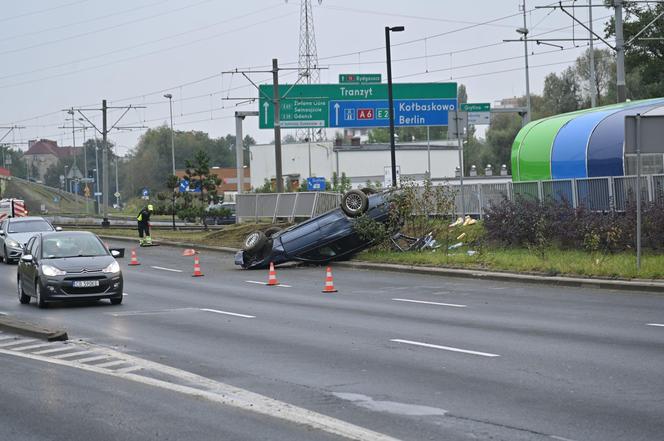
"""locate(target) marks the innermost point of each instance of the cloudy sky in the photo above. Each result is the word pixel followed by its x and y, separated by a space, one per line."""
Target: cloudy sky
pixel 55 54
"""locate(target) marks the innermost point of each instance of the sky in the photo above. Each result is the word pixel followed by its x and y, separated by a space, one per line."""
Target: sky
pixel 59 54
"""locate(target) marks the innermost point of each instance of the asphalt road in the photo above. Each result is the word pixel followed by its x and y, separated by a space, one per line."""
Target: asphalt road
pixel 410 356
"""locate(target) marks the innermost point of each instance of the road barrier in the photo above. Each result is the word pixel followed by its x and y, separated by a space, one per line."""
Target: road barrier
pixel 254 207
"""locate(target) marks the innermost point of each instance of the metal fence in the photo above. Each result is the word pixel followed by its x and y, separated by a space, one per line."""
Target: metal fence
pixel 272 206
pixel 597 194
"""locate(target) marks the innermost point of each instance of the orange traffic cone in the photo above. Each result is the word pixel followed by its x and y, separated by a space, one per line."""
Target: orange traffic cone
pixel 189 252
pixel 272 276
pixel 329 281
pixel 197 267
pixel 134 259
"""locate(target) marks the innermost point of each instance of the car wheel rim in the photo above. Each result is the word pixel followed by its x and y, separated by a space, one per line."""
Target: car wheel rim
pixel 354 202
pixel 251 240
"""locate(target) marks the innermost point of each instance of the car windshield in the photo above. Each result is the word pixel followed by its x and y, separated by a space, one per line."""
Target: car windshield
pixel 62 245
pixel 30 226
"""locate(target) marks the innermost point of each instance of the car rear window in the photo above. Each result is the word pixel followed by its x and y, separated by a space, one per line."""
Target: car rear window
pixel 31 226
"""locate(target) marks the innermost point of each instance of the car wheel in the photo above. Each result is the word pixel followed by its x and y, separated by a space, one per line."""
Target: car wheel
pixel 5 256
pixel 116 301
pixel 22 296
pixel 40 301
pixel 272 231
pixel 354 203
pixel 254 242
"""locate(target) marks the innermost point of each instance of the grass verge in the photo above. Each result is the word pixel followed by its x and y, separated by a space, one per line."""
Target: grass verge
pixel 519 260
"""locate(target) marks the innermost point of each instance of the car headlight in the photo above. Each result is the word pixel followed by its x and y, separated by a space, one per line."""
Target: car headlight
pixel 113 267
pixel 12 243
pixel 51 271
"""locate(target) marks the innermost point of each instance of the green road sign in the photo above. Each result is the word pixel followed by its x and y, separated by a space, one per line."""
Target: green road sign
pixel 308 105
pixel 359 78
pixel 475 107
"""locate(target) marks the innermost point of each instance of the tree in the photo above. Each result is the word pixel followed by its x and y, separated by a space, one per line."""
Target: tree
pixel 561 92
pixel 198 174
pixel 605 67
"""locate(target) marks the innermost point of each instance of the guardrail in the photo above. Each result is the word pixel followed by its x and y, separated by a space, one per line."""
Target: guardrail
pixel 272 206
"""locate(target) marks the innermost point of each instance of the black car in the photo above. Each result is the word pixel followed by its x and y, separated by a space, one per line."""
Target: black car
pixel 330 236
pixel 68 266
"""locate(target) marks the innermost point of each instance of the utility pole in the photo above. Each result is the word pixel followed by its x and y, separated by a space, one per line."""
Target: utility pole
pixel 239 152
pixel 525 50
pixel 620 52
pixel 591 58
pixel 277 125
pixel 104 153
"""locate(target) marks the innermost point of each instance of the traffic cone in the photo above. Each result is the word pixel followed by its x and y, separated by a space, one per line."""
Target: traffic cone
pixel 189 252
pixel 329 281
pixel 134 259
pixel 197 267
pixel 272 276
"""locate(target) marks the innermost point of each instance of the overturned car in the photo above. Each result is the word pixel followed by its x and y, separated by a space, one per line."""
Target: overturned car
pixel 330 236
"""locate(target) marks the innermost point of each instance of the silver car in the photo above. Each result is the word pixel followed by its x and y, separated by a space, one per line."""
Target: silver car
pixel 15 233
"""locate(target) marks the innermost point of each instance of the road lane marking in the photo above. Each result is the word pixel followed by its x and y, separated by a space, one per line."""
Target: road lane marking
pixel 19 341
pixel 216 311
pixel 445 348
pixel 72 354
pixel 3 313
pixel 111 364
pixel 6 337
pixel 265 283
pixel 91 359
pixel 51 351
pixel 656 324
pixel 129 369
pixel 125 294
pixel 166 269
pixel 27 348
pixel 217 392
pixel 453 305
pixel 158 311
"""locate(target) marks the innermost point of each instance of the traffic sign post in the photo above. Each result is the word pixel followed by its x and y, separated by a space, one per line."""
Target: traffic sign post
pixel 357 105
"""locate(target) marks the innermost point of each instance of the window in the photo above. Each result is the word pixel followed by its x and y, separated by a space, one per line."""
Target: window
pixel 30 226
pixel 34 247
pixel 74 245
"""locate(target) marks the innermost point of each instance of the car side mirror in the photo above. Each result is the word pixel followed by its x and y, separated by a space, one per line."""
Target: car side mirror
pixel 26 258
pixel 115 253
pixel 58 228
pixel 2 232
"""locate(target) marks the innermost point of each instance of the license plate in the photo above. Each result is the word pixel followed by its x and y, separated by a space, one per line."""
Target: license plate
pixel 85 283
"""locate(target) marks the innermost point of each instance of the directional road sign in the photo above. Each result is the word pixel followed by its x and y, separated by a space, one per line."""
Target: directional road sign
pixel 478 113
pixel 359 78
pixel 358 105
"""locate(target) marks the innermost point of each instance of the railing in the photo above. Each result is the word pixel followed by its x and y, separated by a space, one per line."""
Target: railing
pixel 597 194
pixel 272 206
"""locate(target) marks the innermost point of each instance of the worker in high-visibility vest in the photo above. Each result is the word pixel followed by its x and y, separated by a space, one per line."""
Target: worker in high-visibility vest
pixel 143 219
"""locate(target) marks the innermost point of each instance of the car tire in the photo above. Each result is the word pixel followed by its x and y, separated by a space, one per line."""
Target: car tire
pixel 116 301
pixel 5 257
pixel 41 304
pixel 23 298
pixel 354 203
pixel 254 242
pixel 272 231
pixel 368 191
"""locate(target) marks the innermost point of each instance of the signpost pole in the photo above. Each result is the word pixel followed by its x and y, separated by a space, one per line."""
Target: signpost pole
pixel 638 192
pixel 390 105
pixel 239 156
pixel 428 154
pixel 277 125
pixel 459 131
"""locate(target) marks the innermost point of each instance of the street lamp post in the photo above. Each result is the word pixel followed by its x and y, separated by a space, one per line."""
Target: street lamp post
pixel 390 96
pixel 524 31
pixel 170 104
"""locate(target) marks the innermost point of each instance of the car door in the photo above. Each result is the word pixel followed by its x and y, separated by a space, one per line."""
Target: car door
pixel 25 269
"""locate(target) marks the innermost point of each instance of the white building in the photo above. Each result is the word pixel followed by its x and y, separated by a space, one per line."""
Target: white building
pixel 361 163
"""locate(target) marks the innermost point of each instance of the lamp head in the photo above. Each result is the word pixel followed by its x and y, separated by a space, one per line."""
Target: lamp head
pixel 168 95
pixel 522 31
pixel 397 28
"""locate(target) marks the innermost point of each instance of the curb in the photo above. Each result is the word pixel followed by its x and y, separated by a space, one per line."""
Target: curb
pixel 31 330
pixel 623 285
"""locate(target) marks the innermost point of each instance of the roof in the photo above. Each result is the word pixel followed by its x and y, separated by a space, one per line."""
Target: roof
pixel 49 147
pixel 581 144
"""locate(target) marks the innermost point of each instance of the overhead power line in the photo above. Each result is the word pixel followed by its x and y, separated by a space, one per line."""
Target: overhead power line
pixel 41 11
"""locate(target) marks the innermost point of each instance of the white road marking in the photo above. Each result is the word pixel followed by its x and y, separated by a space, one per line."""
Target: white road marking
pixel 221 393
pixel 19 341
pixel 129 369
pixel 72 354
pixel 265 283
pixel 125 294
pixel 656 324
pixel 51 351
pixel 91 359
pixel 3 313
pixel 5 337
pixel 445 348
pixel 158 311
pixel 453 305
pixel 111 364
pixel 166 269
pixel 27 348
pixel 227 313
